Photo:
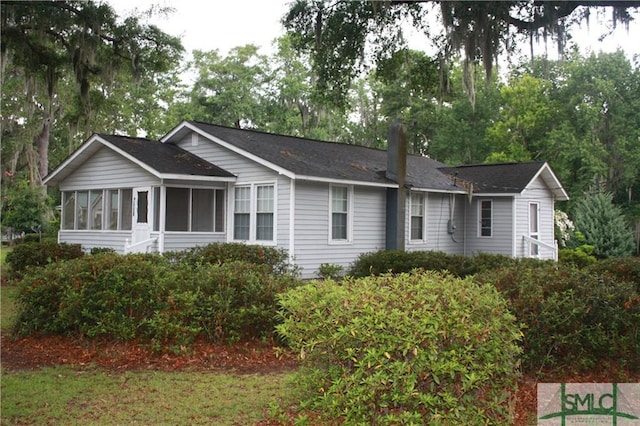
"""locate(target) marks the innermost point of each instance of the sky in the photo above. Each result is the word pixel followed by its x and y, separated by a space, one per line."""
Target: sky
pixel 225 24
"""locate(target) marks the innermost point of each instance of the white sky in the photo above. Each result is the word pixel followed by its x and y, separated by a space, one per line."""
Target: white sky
pixel 224 24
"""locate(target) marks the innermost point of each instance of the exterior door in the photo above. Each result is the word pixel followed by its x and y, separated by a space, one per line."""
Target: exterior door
pixel 141 226
pixel 534 228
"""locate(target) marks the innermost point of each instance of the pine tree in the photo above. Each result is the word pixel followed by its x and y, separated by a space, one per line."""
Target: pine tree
pixel 603 225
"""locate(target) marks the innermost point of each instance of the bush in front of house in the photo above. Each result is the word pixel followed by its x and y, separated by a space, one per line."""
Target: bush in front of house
pixel 572 317
pixel 34 254
pixel 399 261
pixel 149 297
pixel 419 348
pixel 620 269
pixel 216 253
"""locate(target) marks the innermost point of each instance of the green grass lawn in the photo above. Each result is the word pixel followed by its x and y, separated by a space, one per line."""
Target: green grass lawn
pixel 62 395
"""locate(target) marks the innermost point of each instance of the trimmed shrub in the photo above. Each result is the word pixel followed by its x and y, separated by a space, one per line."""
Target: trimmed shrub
pixel 572 317
pixel 147 297
pixel 620 269
pixel 397 261
pixel 26 255
pixel 420 348
pixel 217 253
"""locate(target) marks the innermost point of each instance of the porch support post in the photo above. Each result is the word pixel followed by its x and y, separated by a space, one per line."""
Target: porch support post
pixel 162 217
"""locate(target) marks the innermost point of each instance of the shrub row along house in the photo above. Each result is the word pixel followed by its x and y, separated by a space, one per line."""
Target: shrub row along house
pixel 323 202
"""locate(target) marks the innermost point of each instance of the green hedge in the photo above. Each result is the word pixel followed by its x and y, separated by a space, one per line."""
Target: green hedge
pixel 573 318
pixel 420 348
pixel 35 254
pixel 152 298
pixel 217 253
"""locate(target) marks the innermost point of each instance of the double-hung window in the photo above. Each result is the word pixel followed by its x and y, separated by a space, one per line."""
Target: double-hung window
pixel 254 212
pixel 339 213
pixel 485 213
pixel 417 216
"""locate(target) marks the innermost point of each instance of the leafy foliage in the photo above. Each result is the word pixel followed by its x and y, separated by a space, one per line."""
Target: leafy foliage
pixel 152 298
pixel 218 253
pixel 603 225
pixel 420 348
pixel 573 317
pixel 30 255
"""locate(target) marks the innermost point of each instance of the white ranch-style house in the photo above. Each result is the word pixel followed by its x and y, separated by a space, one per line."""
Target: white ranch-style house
pixel 323 202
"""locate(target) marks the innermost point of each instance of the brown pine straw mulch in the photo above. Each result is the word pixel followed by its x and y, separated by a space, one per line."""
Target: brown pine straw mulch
pixel 241 358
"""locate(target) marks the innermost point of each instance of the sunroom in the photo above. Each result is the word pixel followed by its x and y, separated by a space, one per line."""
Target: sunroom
pixel 179 200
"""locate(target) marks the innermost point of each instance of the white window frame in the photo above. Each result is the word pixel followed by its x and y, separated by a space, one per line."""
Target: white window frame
pixel 423 206
pixel 349 213
pixel 480 203
pixel 104 204
pixel 253 212
pixel 190 189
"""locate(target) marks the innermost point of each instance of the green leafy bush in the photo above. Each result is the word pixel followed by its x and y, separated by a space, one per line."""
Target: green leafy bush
pixel 149 297
pixel 581 256
pixel 277 259
pixel 399 261
pixel 572 317
pixel 620 269
pixel 330 271
pixel 420 348
pixel 26 255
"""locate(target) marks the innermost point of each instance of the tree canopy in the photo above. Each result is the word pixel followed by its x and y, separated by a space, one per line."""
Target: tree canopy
pixel 336 33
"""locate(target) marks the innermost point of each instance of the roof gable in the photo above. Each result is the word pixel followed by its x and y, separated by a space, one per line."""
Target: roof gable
pixel 160 159
pixel 507 178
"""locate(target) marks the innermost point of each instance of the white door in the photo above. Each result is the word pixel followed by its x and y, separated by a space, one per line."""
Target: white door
pixel 141 227
pixel 534 228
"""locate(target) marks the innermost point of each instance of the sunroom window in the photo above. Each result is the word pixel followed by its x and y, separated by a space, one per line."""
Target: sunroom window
pixel 97 209
pixel 194 209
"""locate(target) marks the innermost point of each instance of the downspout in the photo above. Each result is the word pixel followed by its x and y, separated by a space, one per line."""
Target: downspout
pixel 396 197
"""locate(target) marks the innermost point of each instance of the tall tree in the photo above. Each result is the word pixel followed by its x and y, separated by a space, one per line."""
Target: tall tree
pixel 65 53
pixel 336 32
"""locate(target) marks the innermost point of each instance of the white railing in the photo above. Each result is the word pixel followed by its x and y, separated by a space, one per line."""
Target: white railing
pixel 139 247
pixel 529 241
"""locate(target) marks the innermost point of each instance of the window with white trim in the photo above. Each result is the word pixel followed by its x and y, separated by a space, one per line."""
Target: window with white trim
pixel 254 212
pixel 485 215
pixel 192 209
pixel 417 216
pixel 339 213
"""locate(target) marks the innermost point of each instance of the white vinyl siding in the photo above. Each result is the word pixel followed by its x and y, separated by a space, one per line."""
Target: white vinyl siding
pixel 313 244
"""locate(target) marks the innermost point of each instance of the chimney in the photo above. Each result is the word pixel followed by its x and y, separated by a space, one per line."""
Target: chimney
pixel 396 197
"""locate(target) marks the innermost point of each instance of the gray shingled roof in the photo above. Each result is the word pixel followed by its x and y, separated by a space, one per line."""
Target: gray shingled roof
pixel 166 158
pixel 505 178
pixel 329 160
